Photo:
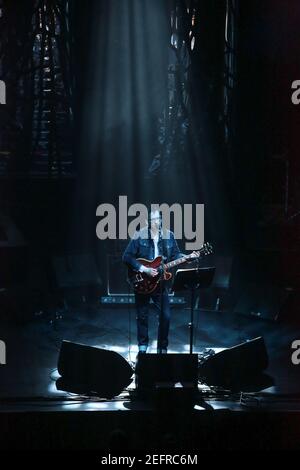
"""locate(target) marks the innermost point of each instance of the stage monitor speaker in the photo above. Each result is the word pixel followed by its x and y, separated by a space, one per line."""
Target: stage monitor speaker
pixel 235 364
pixel 88 370
pixel 153 370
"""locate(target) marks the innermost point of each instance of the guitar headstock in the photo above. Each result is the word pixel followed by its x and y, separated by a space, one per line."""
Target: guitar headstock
pixel 207 249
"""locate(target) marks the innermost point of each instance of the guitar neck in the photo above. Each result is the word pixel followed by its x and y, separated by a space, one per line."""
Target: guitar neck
pixel 178 261
pixel 205 250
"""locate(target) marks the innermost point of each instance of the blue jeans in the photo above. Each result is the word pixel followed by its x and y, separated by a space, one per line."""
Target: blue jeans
pixel 142 307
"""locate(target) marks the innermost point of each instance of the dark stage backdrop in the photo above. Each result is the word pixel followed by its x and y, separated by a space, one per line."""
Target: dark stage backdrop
pixel 149 123
pixel 149 113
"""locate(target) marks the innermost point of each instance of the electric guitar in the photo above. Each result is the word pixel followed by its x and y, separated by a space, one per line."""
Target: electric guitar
pixel 142 283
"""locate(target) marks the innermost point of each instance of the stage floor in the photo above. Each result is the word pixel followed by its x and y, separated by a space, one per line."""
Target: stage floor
pixel 33 346
pixel 32 409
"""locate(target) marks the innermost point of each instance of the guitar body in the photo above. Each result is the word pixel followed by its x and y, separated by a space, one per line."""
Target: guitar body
pixel 144 284
pixel 141 282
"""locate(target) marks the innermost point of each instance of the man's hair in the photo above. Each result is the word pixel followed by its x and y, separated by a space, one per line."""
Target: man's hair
pixel 151 212
pixel 154 211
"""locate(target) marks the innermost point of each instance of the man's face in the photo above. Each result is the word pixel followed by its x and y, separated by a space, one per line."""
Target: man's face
pixel 154 221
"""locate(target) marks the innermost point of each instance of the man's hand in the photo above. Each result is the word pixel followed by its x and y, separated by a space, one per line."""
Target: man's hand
pixel 151 272
pixel 192 256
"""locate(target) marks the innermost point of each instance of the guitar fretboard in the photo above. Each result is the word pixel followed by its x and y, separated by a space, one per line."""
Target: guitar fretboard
pixel 171 264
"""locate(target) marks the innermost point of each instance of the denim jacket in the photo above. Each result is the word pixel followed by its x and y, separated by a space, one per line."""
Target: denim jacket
pixel 142 246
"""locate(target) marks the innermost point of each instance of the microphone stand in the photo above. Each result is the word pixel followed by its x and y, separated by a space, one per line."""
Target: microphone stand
pixel 162 275
pixel 193 291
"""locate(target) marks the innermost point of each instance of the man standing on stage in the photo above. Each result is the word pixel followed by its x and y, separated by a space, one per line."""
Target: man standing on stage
pixel 150 242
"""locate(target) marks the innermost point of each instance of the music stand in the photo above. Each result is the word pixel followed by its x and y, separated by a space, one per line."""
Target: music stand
pixel 192 279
